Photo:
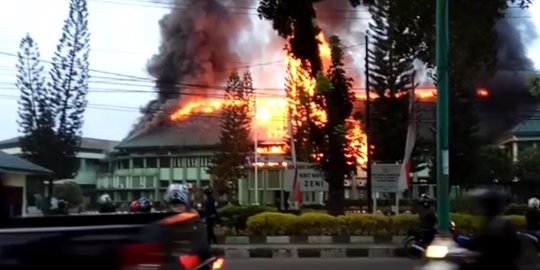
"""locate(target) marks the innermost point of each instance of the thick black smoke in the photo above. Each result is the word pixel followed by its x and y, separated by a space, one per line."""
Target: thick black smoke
pixel 510 101
pixel 197 50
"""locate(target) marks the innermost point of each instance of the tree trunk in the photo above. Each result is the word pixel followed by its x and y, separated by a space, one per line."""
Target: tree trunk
pixel 336 193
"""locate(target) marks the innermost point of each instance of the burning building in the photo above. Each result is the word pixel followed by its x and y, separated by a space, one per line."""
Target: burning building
pixel 178 131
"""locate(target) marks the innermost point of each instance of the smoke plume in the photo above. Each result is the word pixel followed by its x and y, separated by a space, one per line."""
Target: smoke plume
pixel 197 50
pixel 510 101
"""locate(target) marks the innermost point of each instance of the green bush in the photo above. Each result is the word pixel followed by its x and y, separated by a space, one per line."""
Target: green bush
pixel 355 224
pixel 515 209
pixel 234 217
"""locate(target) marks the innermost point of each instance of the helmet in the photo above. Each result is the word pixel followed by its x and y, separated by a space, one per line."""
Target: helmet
pixel 490 201
pixel 534 203
pixel 105 198
pixel 106 205
pixel 135 206
pixel 425 200
pixel 145 205
pixel 177 194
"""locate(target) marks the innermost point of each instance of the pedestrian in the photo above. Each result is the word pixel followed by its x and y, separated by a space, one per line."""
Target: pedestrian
pixel 211 215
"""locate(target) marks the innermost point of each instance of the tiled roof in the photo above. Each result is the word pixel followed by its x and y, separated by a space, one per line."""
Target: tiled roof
pixel 529 127
pixel 86 143
pixel 10 163
pixel 194 132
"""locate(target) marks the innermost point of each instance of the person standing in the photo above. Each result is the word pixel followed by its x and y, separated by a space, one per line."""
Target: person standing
pixel 211 215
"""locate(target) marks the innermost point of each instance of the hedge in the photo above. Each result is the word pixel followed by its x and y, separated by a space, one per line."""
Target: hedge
pixel 234 217
pixel 273 223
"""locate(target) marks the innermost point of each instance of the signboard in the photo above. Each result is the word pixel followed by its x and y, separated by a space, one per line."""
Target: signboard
pixel 310 179
pixel 385 177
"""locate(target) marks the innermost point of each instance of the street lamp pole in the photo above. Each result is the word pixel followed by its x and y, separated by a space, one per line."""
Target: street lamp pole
pixel 442 42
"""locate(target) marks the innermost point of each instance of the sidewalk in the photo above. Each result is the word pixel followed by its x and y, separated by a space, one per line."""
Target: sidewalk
pixel 309 250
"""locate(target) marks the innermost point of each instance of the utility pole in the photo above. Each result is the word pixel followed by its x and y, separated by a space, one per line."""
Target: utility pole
pixel 443 168
pixel 368 131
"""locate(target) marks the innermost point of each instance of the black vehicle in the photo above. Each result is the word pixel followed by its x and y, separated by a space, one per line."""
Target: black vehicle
pixel 104 241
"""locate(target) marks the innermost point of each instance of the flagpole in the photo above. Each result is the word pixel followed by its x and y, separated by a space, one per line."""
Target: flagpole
pixel 255 136
pixel 293 157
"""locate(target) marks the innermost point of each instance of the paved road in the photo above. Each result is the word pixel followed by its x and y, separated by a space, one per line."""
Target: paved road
pixel 320 264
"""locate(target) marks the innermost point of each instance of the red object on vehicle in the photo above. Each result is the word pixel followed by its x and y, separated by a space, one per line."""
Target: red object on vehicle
pixel 141 254
pixel 190 261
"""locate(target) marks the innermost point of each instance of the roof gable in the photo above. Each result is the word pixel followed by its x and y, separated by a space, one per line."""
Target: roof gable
pixel 10 163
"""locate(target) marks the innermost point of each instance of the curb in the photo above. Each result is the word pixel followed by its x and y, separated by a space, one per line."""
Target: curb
pixel 314 252
pixel 311 239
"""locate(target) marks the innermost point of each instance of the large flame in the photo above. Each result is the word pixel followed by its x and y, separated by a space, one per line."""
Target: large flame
pixel 271 117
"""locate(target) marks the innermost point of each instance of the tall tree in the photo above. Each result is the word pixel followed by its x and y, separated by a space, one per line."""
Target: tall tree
pixel 35 115
pixel 69 83
pixel 472 52
pixel 336 97
pixel 390 77
pixel 235 141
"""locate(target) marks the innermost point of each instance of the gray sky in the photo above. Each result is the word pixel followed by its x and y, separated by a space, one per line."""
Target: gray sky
pixel 123 37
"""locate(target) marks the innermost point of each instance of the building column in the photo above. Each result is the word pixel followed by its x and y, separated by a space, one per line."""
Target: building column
pixel 514 151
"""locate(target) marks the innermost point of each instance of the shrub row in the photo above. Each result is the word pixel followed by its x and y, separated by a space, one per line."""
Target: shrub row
pixel 274 223
pixel 234 217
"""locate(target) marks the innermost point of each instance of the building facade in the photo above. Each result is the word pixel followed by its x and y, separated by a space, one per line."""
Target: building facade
pixel 145 165
pixel 92 157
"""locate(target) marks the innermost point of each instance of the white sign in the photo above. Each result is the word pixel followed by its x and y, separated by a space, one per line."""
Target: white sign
pixel 310 179
pixel 385 177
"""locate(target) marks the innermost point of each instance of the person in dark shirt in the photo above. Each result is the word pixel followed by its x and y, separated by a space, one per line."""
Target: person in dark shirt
pixel 427 218
pixel 211 215
pixel 4 207
pixel 497 244
pixel 532 217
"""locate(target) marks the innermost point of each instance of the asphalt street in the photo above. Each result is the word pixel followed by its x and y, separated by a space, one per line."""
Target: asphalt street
pixel 320 264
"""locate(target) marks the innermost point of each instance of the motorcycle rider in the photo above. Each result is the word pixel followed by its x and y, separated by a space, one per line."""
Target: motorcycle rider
pixel 106 205
pixel 532 217
pixel 427 218
pixel 187 225
pixel 135 206
pixel 145 205
pixel 497 245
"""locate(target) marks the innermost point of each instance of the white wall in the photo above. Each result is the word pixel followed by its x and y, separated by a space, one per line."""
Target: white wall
pixel 18 180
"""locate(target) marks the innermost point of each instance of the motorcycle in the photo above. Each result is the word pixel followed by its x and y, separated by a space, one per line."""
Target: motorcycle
pixel 446 254
pixel 419 239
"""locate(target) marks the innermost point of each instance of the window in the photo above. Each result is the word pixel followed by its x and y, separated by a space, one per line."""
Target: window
pixel 151 162
pixel 122 182
pixel 164 162
pixel 149 183
pixel 123 196
pixel 138 163
pixel 163 184
pixel 136 182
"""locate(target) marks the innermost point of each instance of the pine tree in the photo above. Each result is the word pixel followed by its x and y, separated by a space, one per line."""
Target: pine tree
pixel 336 95
pixel 390 78
pixel 235 140
pixel 69 84
pixel 35 116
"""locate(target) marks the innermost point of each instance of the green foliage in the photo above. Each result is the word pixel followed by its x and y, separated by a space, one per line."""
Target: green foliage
pixel 493 164
pixel 235 140
pixel 51 117
pixel 534 84
pixel 528 173
pixel 35 116
pixel 234 217
pixel 516 209
pixel 69 86
pixel 71 192
pixel 356 224
pixel 390 77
